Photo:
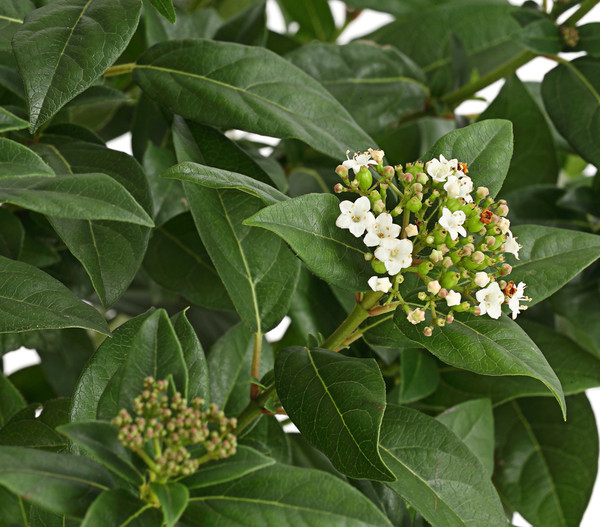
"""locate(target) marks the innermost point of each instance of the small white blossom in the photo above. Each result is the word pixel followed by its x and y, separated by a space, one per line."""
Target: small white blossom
pixel 503 224
pixel 411 230
pixel 459 187
pixel 355 217
pixel 395 254
pixel 511 245
pixel 453 298
pixel 377 155
pixel 381 228
pixel 515 299
pixel 439 170
pixel 434 287
pixel 490 300
pixel 358 161
pixel 452 222
pixel 380 284
pixel 481 279
pixel 414 316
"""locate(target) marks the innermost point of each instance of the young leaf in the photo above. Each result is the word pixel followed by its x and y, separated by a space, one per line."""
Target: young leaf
pixel 17 160
pixel 571 90
pixel 31 299
pixel 195 79
pixel 307 224
pixel 61 483
pixel 337 403
pixel 173 499
pixel 473 423
pixel 547 467
pixel 80 39
pixel 260 288
pixel 120 508
pixel 487 148
pixel 165 8
pixel 436 471
pixel 284 496
pixel 488 347
pixel 550 258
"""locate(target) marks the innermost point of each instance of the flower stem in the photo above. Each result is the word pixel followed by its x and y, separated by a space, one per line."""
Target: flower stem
pixel 255 368
pixel 148 461
pixel 120 69
pixel 464 92
pixel 253 410
pixel 585 7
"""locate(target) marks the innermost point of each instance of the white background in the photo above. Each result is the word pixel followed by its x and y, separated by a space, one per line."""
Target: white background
pixel 364 24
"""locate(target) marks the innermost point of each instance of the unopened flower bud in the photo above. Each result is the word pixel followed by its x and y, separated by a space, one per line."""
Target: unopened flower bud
pixel 368 256
pixel 338 187
pixel 414 204
pixel 416 187
pixel 506 269
pixel 378 206
pixel 422 178
pixel 427 331
pixel 354 183
pixel 411 230
pixel 447 262
pixel 453 298
pixel 422 295
pixel 481 279
pixel 443 293
pixel 415 316
pixel 502 210
pixel 388 172
pixel 436 256
pixel 342 171
pixel 430 240
pixel 478 257
pixel 441 322
pixel 434 287
pixel 449 319
pixel 407 178
pixel 482 192
pixel 397 211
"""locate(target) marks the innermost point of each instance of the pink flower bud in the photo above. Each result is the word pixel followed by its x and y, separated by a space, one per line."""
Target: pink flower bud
pixel 505 269
pixel 338 187
pixel 428 331
pixel 342 171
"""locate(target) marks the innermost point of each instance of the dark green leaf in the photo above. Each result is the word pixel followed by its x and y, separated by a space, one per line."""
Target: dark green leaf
pixel 33 384
pixel 550 258
pixel 210 177
pixel 61 483
pixel 314 18
pixel 120 508
pixel 199 24
pixel 165 8
pixel 546 468
pixel 337 403
pixel 11 511
pixel 173 498
pixel 376 85
pixel 487 148
pixel 307 224
pixel 80 39
pixel 436 472
pixel 387 335
pixel 246 27
pixel 589 39
pixel 488 347
pixel 99 439
pixel 75 196
pixel 418 377
pixel 542 37
pixel 12 235
pixel 11 401
pixel 284 496
pixel 571 90
pixel 9 121
pixel 534 159
pixel 260 288
pixel 43 518
pixel 195 79
pixel 245 461
pixel 31 299
pixel 473 423
pixel 17 160
pixel 267 436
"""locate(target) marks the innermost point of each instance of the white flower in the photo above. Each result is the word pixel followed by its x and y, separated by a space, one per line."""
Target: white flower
pixel 466 187
pixel 481 279
pixel 414 316
pixel 439 170
pixel 452 222
pixel 511 245
pixel 395 254
pixel 411 230
pixel 503 224
pixel 380 284
pixel 452 298
pixel 358 161
pixel 434 287
pixel 452 187
pixel 490 300
pixel 377 155
pixel 459 188
pixel 381 228
pixel 515 299
pixel 355 216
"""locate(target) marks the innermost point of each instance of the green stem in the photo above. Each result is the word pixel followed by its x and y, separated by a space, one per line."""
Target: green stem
pixel 23 513
pixel 120 69
pixel 465 92
pixel 255 368
pixel 585 7
pixel 360 332
pixel 253 410
pixel 148 461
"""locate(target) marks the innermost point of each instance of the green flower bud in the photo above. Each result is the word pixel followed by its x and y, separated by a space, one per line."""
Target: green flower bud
pixel 465 306
pixel 422 178
pixel 397 211
pixel 414 168
pixel 414 204
pixel 378 266
pixel 364 178
pixel 436 256
pixel 342 171
pixel 388 172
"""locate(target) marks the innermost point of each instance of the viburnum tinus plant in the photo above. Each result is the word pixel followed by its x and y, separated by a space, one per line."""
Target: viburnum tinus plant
pixel 441 285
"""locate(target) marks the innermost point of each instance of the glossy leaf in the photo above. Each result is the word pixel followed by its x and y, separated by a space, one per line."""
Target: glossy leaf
pixel 571 90
pixel 307 224
pixel 195 79
pixel 17 160
pixel 173 499
pixel 487 148
pixel 418 377
pixel 11 401
pixel 61 483
pixel 542 36
pixel 120 508
pixel 210 177
pixel 31 299
pixel 337 403
pixel 550 258
pixel 9 121
pixel 260 288
pixel 267 437
pixel 284 496
pixel 376 85
pixel 488 347
pixel 473 423
pixel 313 17
pixel 99 439
pixel 435 472
pixel 246 27
pixel 534 159
pixel 165 8
pixel 546 467
pixel 75 196
pixel 80 39
pixel 245 461
pixel 12 235
pixel 199 24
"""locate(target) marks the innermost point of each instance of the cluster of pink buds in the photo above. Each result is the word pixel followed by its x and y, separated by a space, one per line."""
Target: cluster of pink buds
pixel 166 426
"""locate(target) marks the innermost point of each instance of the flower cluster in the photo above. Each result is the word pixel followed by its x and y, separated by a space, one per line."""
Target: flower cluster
pixel 165 427
pixel 450 235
